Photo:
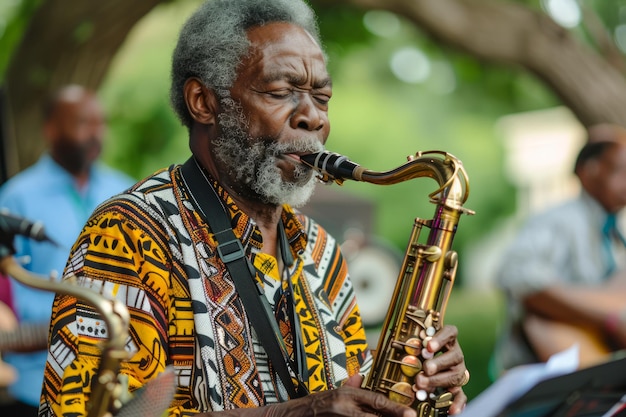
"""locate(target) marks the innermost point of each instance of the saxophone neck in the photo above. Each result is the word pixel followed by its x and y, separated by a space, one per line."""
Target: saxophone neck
pixel 443 167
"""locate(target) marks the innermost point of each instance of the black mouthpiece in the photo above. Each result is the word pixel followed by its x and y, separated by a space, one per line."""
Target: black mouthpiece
pixel 331 165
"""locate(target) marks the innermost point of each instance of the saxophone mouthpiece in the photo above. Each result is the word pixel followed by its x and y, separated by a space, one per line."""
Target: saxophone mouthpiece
pixel 332 166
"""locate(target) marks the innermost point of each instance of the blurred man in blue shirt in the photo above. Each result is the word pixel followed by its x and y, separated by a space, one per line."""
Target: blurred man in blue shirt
pixel 61 190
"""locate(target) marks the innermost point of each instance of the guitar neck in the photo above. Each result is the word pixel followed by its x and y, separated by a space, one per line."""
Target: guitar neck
pixel 27 337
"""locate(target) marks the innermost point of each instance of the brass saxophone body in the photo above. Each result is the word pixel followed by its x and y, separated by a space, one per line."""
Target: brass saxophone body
pixel 109 392
pixel 426 276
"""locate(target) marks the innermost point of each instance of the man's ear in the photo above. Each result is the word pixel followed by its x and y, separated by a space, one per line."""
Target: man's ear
pixel 201 102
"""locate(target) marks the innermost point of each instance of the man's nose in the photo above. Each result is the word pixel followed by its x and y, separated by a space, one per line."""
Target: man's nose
pixel 308 114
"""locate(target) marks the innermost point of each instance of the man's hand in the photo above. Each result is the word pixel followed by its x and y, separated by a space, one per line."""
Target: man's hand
pixel 8 322
pixel 446 370
pixel 349 400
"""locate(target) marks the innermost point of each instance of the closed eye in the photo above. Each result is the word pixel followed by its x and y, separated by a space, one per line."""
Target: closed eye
pixel 322 98
pixel 282 93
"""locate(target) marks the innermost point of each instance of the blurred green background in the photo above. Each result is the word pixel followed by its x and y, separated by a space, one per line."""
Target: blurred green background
pixel 396 92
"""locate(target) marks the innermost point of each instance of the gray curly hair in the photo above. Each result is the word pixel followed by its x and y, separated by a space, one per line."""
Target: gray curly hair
pixel 213 42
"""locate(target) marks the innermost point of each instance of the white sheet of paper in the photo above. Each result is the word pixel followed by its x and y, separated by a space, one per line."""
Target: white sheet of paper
pixel 517 381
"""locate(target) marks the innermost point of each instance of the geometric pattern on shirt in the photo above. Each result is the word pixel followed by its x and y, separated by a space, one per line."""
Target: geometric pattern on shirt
pixel 147 242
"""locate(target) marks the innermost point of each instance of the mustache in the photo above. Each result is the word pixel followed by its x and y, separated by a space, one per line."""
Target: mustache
pixel 298 147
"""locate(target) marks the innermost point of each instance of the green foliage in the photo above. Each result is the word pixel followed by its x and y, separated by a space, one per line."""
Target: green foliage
pixel 341 29
pixel 378 121
pixel 144 133
pixel 611 13
pixel 142 142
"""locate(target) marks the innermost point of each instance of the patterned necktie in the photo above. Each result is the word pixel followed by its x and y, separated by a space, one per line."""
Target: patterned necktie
pixel 611 234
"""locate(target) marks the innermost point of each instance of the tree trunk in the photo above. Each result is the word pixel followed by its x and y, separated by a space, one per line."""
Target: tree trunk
pixel 66 41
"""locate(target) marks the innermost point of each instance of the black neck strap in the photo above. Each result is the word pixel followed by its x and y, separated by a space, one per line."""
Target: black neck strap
pixel 242 273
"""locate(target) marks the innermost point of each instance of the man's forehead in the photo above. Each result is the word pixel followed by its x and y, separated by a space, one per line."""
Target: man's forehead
pixel 279 49
pixel 280 33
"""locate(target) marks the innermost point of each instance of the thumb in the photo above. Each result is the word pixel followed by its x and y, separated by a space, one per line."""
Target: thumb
pixel 354 381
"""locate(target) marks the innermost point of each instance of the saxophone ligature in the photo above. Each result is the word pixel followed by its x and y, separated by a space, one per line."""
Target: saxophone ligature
pixel 426 276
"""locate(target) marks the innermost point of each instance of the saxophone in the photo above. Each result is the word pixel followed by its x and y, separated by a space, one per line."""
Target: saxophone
pixel 426 276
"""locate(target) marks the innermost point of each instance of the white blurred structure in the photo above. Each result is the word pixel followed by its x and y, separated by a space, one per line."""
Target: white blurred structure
pixel 540 151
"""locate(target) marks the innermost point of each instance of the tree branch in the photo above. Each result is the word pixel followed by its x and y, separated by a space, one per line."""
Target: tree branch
pixel 511 34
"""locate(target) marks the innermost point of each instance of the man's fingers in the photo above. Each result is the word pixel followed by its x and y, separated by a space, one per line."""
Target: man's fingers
pixel 447 335
pixel 459 401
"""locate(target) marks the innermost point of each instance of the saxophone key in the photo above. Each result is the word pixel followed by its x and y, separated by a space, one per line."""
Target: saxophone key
pixel 421 394
pixel 427 354
pixel 432 253
pixel 402 393
pixel 410 365
pixel 417 312
pixel 398 345
pixel 413 346
pixel 426 340
pixel 444 400
pixel 424 410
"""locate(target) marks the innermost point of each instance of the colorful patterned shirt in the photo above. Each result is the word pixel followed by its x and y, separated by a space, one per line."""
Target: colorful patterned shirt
pixel 151 249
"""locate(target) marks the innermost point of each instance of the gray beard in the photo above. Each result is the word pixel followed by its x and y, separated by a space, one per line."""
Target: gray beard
pixel 250 163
